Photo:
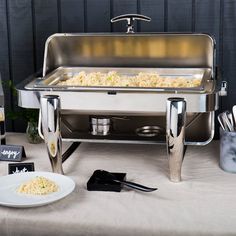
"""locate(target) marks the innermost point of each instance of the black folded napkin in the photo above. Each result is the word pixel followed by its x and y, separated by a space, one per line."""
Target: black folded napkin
pixel 102 180
pixel 97 182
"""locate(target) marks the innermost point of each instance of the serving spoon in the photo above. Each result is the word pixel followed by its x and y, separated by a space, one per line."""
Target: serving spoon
pixel 107 176
pixel 231 119
pixel 234 113
pixel 226 121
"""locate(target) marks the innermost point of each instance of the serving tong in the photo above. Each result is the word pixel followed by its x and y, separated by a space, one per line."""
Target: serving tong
pixel 227 120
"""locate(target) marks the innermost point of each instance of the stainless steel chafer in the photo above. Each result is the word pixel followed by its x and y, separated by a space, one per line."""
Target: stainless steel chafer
pixel 175 116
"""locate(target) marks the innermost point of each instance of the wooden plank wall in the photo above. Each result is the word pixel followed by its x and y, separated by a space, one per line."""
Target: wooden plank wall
pixel 25 25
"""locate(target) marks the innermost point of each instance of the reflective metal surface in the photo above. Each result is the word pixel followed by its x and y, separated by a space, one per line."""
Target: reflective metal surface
pixel 175 135
pixel 223 89
pixel 119 102
pixel 52 80
pixel 149 131
pixel 154 50
pixel 1 93
pixel 100 125
pixel 2 126
pixel 50 106
pixel 2 116
pixel 130 18
pixel 167 54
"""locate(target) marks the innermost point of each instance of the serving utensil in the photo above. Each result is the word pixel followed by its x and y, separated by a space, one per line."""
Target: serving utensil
pixel 107 176
pixel 231 119
pixel 234 112
pixel 226 121
pixel 222 122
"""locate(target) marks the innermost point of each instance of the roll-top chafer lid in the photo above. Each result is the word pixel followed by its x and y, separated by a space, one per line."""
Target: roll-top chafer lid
pixel 129 50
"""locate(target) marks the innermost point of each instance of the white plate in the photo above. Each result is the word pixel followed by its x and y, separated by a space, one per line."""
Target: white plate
pixel 10 183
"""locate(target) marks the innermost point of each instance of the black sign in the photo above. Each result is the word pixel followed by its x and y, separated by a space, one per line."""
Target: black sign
pixel 11 153
pixel 15 168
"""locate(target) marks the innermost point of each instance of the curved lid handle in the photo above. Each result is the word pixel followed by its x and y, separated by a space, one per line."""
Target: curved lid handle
pixel 130 20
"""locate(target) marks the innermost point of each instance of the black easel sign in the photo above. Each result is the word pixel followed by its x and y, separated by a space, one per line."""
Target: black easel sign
pixel 12 153
pixel 15 168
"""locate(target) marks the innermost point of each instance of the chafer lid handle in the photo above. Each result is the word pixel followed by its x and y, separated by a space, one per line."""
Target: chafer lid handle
pixel 130 20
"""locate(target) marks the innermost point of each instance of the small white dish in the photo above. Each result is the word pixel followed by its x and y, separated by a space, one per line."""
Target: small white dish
pixel 11 198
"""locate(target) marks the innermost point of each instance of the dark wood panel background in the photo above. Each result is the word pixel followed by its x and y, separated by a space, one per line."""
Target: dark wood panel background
pixel 26 24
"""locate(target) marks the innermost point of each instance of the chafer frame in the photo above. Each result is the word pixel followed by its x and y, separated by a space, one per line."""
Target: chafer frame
pixel 168 54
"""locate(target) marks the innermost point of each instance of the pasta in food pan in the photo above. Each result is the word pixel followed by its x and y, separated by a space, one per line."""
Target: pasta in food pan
pixel 142 79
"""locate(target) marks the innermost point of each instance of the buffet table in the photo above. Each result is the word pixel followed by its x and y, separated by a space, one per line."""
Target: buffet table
pixel 202 204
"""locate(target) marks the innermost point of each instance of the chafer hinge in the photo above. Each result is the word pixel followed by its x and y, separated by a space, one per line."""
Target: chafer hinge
pixel 223 89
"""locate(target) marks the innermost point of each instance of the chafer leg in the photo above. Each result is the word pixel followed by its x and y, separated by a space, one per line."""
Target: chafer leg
pixel 175 135
pixel 51 126
pixel 2 127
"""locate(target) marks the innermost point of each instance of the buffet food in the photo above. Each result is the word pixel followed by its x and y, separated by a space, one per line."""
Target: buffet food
pixel 142 79
pixel 38 186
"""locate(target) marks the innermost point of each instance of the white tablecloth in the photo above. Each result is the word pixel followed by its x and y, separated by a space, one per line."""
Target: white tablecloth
pixel 202 204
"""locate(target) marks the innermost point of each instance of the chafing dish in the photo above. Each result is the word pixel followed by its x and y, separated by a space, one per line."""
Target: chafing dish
pixel 184 115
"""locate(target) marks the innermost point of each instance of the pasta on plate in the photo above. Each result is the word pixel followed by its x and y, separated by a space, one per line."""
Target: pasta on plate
pixel 38 186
